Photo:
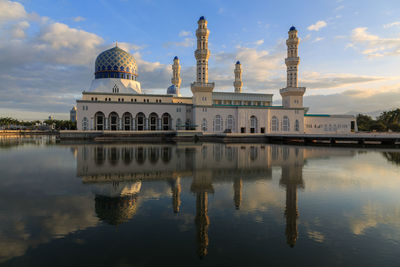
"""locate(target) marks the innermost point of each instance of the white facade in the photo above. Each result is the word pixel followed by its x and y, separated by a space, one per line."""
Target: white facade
pixel 115 100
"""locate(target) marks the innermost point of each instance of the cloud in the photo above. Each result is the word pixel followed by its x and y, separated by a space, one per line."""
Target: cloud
pixel 318 39
pixel 187 42
pixel 18 30
pixel 259 42
pixel 339 8
pixel 79 19
pixel 317 26
pixel 393 24
pixel 373 45
pixel 44 70
pixel 260 67
pixel 316 80
pixel 184 33
pixel 359 100
pixel 10 11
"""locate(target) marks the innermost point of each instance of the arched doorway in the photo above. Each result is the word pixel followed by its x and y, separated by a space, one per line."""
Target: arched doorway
pixel 127 121
pixel 253 124
pixel 140 121
pixel 113 121
pixel 99 121
pixel 166 121
pixel 153 121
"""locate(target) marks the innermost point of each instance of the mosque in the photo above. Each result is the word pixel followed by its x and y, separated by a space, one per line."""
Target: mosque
pixel 116 102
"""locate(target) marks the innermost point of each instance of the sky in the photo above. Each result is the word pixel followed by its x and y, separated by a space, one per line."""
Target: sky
pixel 349 49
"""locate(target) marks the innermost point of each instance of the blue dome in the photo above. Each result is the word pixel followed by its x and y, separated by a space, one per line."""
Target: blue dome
pixel 202 18
pixel 238 62
pixel 171 90
pixel 175 57
pixel 293 28
pixel 115 61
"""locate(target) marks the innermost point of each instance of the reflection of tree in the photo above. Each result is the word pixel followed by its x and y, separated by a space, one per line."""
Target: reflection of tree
pixel 393 157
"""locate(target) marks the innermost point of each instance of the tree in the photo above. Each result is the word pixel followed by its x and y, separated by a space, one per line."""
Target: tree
pixel 364 122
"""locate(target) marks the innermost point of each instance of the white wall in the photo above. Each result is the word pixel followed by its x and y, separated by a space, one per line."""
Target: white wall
pixel 175 110
pixel 328 125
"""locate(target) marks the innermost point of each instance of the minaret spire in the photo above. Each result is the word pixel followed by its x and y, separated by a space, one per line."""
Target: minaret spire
pixel 292 61
pixel 201 88
pixel 238 77
pixel 292 95
pixel 202 53
pixel 176 72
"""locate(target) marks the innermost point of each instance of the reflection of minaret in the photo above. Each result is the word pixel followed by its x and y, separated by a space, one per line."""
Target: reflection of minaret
pixel 292 178
pixel 201 185
pixel 237 188
pixel 176 193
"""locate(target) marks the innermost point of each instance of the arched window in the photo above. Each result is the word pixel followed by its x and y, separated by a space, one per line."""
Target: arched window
pixel 204 125
pixel 153 121
pixel 253 124
pixel 126 121
pixel 218 123
pixel 140 122
pixel 166 121
pixel 274 124
pixel 85 123
pixel 285 124
pixel 113 120
pixel 230 123
pixel 297 126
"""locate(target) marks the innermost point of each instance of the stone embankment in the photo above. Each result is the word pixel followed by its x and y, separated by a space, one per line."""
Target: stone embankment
pixel 364 139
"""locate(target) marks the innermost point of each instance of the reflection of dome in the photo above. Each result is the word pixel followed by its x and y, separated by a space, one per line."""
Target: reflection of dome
pixel 115 210
pixel 115 61
pixel 171 90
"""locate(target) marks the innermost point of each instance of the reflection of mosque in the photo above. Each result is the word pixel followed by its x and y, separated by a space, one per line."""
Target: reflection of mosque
pixel 117 172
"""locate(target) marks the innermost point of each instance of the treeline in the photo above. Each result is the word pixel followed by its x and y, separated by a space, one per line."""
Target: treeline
pixel 11 123
pixel 387 121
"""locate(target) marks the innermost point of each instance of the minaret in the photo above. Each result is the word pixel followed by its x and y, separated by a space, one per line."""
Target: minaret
pixel 238 77
pixel 176 72
pixel 292 61
pixel 201 89
pixel 292 95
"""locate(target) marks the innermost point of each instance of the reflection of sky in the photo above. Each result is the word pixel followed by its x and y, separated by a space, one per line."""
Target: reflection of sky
pixel 349 212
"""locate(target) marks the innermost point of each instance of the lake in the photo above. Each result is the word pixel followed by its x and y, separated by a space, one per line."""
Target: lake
pixel 192 204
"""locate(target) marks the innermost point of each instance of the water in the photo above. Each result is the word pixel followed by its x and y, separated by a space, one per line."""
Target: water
pixel 197 204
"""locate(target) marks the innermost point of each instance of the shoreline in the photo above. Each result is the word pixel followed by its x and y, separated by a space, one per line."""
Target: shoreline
pixel 343 140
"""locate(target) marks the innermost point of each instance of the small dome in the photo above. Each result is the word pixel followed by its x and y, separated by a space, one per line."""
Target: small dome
pixel 237 62
pixel 202 18
pixel 115 60
pixel 293 28
pixel 175 57
pixel 171 90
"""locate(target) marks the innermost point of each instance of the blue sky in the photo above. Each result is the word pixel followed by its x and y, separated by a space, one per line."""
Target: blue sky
pixel 350 50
